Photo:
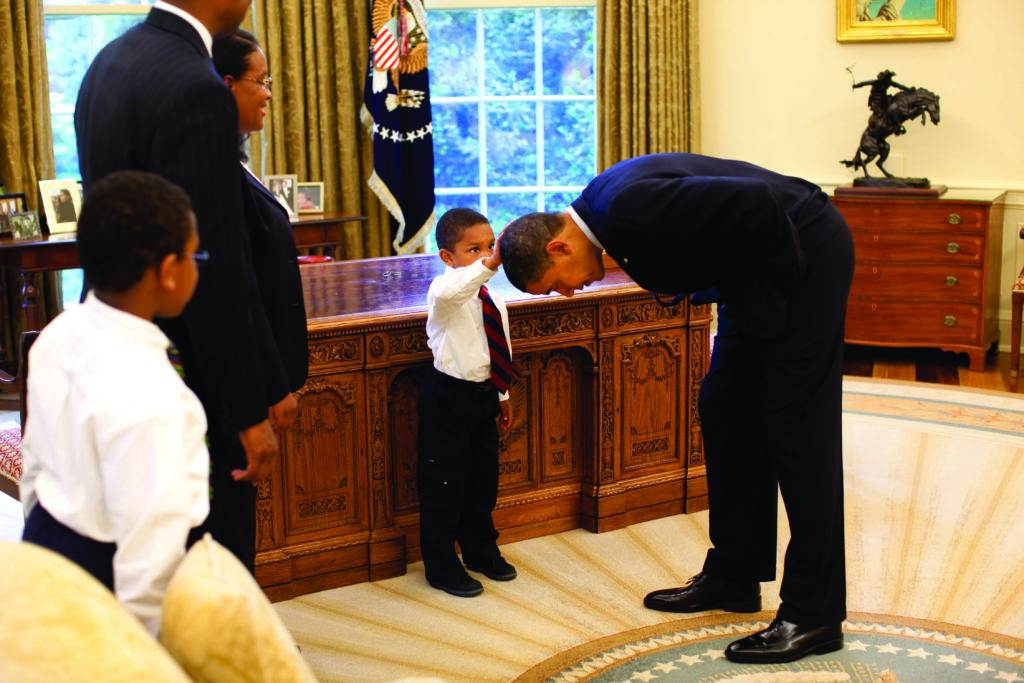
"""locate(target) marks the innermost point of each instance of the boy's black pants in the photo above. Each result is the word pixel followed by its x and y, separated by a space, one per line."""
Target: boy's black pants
pixel 457 472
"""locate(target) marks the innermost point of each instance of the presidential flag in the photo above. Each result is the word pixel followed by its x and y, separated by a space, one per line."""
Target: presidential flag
pixel 396 110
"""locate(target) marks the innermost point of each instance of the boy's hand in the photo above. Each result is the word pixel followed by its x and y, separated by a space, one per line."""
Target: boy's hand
pixel 505 417
pixel 282 413
pixel 493 262
pixel 260 444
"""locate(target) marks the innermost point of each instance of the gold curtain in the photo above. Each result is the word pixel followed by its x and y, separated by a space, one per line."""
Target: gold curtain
pixel 648 86
pixel 317 50
pixel 26 147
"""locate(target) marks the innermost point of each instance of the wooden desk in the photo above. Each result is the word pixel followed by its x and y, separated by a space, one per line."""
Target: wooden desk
pixel 59 252
pixel 605 428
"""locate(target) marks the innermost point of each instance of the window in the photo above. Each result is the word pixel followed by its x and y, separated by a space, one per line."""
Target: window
pixel 75 32
pixel 513 104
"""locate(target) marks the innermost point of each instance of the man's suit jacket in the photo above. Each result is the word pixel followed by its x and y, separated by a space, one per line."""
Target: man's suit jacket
pixel 682 223
pixel 275 261
pixel 152 101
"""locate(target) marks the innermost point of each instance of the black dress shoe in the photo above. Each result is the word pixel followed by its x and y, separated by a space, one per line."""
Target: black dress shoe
pixel 497 569
pixel 704 592
pixel 464 586
pixel 784 641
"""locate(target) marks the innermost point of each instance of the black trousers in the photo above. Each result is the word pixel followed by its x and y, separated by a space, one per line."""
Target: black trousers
pixel 93 556
pixel 456 472
pixel 771 414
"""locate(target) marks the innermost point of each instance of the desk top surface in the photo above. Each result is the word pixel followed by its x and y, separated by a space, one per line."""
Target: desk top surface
pixel 382 288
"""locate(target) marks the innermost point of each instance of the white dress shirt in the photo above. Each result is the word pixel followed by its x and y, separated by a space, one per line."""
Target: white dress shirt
pixel 204 32
pixel 114 445
pixel 455 323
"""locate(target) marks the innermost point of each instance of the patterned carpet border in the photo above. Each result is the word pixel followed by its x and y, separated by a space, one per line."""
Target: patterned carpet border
pixel 598 658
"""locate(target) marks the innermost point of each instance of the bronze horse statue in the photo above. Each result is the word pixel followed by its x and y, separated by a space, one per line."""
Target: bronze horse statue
pixel 905 105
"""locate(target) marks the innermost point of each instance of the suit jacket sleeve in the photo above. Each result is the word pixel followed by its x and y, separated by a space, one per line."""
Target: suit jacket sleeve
pixel 195 145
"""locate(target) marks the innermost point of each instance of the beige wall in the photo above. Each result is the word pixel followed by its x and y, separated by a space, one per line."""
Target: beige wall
pixel 775 92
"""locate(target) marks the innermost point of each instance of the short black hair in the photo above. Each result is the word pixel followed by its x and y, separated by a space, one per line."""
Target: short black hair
pixel 453 222
pixel 522 247
pixel 130 221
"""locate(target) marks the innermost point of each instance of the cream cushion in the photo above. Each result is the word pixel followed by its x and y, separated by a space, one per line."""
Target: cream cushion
pixel 58 623
pixel 220 627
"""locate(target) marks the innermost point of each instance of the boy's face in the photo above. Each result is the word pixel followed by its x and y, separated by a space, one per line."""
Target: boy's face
pixel 179 275
pixel 474 243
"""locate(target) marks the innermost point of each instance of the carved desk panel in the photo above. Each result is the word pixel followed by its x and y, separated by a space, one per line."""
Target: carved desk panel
pixel 605 430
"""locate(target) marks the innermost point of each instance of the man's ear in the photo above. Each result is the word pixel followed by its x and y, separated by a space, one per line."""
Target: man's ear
pixel 557 247
pixel 447 257
pixel 166 273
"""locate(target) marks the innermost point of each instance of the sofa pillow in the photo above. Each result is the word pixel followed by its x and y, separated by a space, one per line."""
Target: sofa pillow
pixel 219 625
pixel 59 623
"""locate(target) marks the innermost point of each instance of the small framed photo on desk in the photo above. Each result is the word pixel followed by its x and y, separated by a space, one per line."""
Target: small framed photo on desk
pixel 62 202
pixel 10 204
pixel 283 188
pixel 309 197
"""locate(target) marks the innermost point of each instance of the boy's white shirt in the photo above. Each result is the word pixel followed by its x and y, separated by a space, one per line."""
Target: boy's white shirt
pixel 455 323
pixel 115 445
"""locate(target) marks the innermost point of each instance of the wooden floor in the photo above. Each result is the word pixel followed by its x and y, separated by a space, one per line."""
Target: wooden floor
pixel 927 365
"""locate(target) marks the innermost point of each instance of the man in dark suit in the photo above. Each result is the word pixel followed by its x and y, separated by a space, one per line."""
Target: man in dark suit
pixel 152 100
pixel 778 259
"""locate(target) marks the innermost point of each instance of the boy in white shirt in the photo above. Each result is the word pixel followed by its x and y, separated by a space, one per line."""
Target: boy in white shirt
pixel 115 459
pixel 460 400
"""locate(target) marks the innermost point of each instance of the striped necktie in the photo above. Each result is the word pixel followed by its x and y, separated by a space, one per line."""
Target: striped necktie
pixel 501 358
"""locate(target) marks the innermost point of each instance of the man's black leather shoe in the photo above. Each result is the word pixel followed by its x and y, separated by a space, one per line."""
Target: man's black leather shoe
pixel 498 569
pixel 784 641
pixel 704 592
pixel 464 586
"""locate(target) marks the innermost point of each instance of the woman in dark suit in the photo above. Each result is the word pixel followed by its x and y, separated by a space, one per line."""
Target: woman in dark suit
pixel 242 64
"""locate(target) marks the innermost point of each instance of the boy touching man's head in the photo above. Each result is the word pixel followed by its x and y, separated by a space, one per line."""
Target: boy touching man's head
pixel 464 236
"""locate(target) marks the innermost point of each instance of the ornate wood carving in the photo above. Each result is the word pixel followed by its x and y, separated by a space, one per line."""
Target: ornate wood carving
pixel 404 425
pixel 335 352
pixel 559 415
pixel 380 512
pixel 265 537
pixel 408 342
pixel 552 324
pixel 651 391
pixel 376 345
pixel 696 369
pixel 514 456
pixel 607 411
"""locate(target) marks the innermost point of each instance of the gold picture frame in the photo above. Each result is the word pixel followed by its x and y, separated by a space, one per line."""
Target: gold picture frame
pixel 861 21
pixel 309 197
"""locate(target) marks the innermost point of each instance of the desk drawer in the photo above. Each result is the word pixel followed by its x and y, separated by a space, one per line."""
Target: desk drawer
pixel 959 283
pixel 914 217
pixel 902 322
pixel 936 247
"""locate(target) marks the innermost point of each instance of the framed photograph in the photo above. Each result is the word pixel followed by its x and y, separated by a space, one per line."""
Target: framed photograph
pixel 859 21
pixel 62 202
pixel 10 203
pixel 309 197
pixel 25 225
pixel 283 187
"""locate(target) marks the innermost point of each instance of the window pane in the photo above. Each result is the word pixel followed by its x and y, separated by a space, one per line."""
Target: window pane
pixel 569 155
pixel 504 208
pixel 558 201
pixel 508 52
pixel 444 203
pixel 511 143
pixel 453 55
pixel 568 44
pixel 71 43
pixel 456 145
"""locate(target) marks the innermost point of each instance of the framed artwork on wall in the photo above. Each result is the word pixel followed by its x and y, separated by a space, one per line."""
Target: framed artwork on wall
pixel 310 197
pixel 860 21
pixel 62 201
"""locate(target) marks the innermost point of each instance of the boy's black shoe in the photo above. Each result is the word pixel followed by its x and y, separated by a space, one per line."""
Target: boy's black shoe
pixel 784 641
pixel 704 592
pixel 462 586
pixel 497 569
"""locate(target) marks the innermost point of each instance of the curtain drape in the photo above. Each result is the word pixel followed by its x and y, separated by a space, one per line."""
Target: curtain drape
pixel 317 50
pixel 648 86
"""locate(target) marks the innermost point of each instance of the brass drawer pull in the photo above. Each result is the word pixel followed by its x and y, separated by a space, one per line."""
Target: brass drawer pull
pixel 953 248
pixel 949 321
pixel 951 280
pixel 953 219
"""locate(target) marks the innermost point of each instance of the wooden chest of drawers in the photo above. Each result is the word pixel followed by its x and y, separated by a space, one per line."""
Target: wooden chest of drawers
pixel 927 271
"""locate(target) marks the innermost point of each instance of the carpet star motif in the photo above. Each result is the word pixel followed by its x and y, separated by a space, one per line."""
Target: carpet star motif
pixel 919 652
pixel 643 676
pixel 665 667
pixel 1008 676
pixel 856 646
pixel 980 667
pixel 690 660
pixel 950 659
pixel 888 649
pixel 713 654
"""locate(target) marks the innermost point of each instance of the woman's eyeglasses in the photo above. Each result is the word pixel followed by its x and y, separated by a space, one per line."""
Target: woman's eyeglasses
pixel 267 82
pixel 201 257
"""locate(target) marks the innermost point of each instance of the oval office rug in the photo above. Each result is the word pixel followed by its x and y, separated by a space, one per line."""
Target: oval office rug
pixel 876 648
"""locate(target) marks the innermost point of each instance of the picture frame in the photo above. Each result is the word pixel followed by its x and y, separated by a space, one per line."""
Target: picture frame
pixel 283 187
pixel 62 202
pixel 861 21
pixel 25 225
pixel 10 203
pixel 309 197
